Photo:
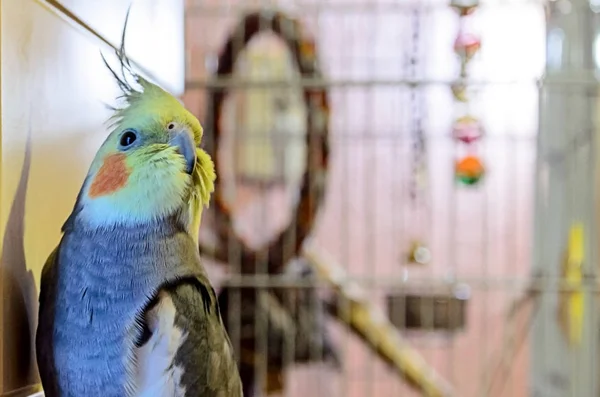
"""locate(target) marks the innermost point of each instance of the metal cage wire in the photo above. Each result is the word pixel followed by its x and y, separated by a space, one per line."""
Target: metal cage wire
pixel 480 236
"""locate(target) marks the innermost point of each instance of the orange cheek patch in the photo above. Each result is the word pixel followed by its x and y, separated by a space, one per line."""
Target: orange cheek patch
pixel 111 177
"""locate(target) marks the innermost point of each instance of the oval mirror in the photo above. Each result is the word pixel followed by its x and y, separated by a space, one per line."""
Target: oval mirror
pixel 262 152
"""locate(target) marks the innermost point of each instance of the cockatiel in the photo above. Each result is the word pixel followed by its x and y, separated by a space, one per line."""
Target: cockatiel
pixel 126 308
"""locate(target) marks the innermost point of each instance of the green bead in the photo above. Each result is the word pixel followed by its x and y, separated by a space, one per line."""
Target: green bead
pixel 469 180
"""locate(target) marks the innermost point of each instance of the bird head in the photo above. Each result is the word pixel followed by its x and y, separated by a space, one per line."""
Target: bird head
pixel 151 166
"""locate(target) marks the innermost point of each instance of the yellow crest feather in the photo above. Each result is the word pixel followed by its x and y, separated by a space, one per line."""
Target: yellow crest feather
pixel 207 174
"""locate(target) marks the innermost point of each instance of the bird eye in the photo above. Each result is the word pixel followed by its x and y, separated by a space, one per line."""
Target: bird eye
pixel 171 126
pixel 128 138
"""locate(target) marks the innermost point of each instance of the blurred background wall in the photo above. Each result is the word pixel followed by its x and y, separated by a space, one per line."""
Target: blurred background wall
pixel 479 235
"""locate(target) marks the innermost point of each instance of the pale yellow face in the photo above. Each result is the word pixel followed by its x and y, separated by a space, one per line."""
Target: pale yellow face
pixel 147 168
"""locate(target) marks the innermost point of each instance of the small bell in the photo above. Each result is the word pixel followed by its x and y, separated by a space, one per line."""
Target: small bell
pixel 467 129
pixel 469 170
pixel 464 7
pixel 459 91
pixel 419 254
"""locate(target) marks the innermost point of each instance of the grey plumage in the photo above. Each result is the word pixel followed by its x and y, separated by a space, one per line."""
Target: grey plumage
pixel 217 370
pixel 96 288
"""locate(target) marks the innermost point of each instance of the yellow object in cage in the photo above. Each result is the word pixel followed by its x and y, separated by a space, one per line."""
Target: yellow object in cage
pixel 571 302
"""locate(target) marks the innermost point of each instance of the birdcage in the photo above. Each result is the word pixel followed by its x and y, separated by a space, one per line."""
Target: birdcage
pixel 387 219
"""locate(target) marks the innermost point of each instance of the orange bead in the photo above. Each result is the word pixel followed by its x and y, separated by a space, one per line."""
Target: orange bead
pixel 469 170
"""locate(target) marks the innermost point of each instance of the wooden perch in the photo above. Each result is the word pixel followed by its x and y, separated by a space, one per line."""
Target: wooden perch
pixel 373 327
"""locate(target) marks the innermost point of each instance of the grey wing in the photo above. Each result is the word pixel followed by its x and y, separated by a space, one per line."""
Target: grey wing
pixel 45 330
pixel 202 361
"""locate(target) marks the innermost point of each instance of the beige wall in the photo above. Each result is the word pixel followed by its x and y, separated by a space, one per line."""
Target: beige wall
pixel 54 87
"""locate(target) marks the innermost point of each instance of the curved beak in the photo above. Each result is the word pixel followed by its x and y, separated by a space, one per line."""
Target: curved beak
pixel 185 145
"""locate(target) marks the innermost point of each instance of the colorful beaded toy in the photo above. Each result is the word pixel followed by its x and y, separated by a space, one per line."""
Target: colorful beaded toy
pixel 466 130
